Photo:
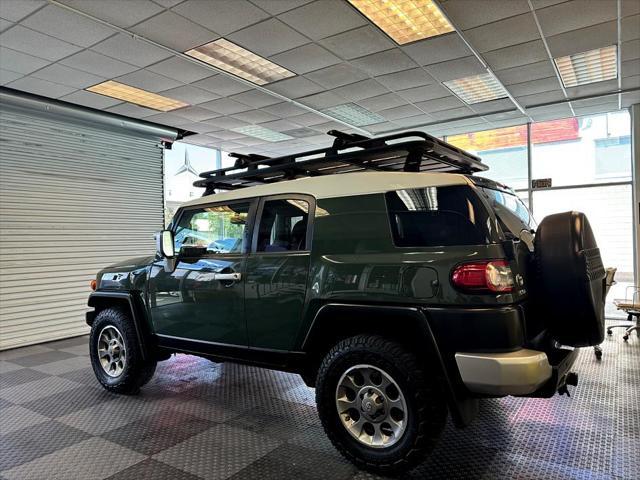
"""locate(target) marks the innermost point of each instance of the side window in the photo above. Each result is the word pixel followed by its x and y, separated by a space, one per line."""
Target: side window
pixel 217 229
pixel 283 226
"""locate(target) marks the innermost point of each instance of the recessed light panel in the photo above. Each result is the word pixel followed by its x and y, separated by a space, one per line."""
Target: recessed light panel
pixel 405 21
pixel 262 133
pixel 353 114
pixel 588 67
pixel 477 88
pixel 135 95
pixel 239 61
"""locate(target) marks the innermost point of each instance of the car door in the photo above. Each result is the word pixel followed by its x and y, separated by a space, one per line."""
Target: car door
pixel 277 270
pixel 203 298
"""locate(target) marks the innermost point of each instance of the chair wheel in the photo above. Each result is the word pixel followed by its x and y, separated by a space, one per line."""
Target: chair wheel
pixel 609 332
pixel 625 337
pixel 598 355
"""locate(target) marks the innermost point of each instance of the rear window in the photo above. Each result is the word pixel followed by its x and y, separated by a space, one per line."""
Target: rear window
pixel 438 216
pixel 510 210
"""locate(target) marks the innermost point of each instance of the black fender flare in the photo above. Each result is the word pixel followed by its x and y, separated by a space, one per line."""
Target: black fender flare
pixel 462 407
pixel 135 305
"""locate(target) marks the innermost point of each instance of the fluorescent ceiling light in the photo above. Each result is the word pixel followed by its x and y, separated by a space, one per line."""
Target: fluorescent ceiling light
pixel 588 67
pixel 477 88
pixel 405 21
pixel 239 61
pixel 353 114
pixel 136 95
pixel 262 133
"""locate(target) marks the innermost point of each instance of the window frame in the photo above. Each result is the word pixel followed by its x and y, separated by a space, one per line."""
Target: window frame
pixel 249 226
pixel 310 199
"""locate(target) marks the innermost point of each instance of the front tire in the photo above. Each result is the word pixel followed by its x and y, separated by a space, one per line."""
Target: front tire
pixel 377 405
pixel 116 356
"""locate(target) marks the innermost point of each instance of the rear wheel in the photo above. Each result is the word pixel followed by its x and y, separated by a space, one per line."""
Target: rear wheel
pixel 376 404
pixel 115 353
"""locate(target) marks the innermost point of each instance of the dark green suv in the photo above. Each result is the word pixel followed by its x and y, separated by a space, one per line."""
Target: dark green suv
pixel 395 281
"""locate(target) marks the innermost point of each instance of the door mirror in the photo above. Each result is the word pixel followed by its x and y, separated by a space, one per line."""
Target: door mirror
pixel 164 244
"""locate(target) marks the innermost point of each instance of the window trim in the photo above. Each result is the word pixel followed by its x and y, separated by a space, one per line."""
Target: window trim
pixel 310 199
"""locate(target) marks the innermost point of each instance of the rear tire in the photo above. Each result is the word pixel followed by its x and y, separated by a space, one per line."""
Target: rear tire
pixel 116 356
pixel 386 366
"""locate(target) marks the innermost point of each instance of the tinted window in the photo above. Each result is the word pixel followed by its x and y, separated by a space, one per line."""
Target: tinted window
pixel 217 229
pixel 512 213
pixel 438 216
pixel 283 226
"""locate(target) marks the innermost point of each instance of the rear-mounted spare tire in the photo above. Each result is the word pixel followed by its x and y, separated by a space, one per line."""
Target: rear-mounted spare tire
pixel 570 280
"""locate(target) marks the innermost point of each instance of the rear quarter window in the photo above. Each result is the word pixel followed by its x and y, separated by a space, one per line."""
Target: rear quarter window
pixel 439 216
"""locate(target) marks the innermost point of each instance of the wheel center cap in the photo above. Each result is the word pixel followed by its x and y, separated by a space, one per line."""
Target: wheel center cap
pixel 372 404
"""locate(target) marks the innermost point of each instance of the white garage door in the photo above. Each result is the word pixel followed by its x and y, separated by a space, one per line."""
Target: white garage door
pixel 73 199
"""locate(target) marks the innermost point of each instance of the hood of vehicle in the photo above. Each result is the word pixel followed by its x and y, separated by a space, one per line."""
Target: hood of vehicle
pixel 129 274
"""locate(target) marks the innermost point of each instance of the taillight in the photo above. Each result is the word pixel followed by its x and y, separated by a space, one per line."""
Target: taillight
pixel 483 277
pixel 93 284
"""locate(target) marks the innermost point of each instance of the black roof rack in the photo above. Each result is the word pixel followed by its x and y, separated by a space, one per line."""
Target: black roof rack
pixel 349 153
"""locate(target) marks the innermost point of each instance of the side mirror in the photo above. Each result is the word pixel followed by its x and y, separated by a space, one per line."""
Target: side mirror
pixel 164 244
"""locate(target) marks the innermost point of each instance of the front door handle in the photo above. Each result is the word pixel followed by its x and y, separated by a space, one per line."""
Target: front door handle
pixel 226 277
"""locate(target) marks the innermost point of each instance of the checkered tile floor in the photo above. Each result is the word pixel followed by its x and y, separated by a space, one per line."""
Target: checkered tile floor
pixel 197 419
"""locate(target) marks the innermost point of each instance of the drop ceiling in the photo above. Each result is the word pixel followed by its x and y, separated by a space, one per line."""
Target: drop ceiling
pixel 344 65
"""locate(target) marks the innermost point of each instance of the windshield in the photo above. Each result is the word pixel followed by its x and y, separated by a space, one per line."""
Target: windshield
pixel 512 213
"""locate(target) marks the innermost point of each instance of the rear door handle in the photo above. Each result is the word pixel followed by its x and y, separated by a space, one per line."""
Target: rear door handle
pixel 233 277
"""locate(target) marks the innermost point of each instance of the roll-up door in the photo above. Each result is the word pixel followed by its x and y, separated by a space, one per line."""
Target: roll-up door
pixel 73 199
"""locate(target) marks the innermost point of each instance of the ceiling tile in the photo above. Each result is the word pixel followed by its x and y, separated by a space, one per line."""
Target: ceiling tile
pixel 589 102
pixel 381 128
pixel 322 100
pixel 631 82
pixel 279 6
pixel 131 110
pixel 98 64
pixel 222 85
pixel 67 26
pixel 221 16
pixel 494 106
pixel 438 49
pixel 195 114
pixel 630 50
pixel 454 69
pixel 28 41
pixel 336 75
pixel 465 14
pixel 255 116
pixel 41 87
pixel 111 10
pixel 381 63
pixel 631 68
pixel 358 42
pixel 593 88
pixel 280 38
pixel 295 87
pixel 279 125
pixel 629 28
pixel 285 109
pixel 180 69
pixel 326 126
pixel 305 58
pixel 4 24
pixel 516 55
pixel 382 102
pixel 191 95
pixel 225 122
pixel 323 18
pixel 540 98
pixel 7 76
pixel 167 118
pixel 167 3
pixel 438 104
pixel 90 99
pixel 308 119
pixel 414 77
pixel 403 111
pixel 426 92
pixel 57 73
pixel 256 99
pixel 131 50
pixel 16 10
pixel 538 4
pixel 225 106
pixel 583 40
pixel 524 73
pixel 360 90
pixel 550 112
pixel 174 31
pixel 20 62
pixel 409 122
pixel 630 98
pixel 503 33
pixel 574 15
pixel 146 80
pixel 535 86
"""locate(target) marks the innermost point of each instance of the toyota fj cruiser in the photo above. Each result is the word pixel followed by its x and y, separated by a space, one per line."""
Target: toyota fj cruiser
pixel 395 281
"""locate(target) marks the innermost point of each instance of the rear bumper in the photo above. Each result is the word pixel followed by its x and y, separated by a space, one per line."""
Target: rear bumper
pixel 521 372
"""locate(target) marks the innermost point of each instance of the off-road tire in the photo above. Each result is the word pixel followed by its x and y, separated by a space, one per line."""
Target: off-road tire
pixel 427 410
pixel 137 372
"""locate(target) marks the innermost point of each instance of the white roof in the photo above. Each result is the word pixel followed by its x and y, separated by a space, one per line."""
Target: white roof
pixel 341 185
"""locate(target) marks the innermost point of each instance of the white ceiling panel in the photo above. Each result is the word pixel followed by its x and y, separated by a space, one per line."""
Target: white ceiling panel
pixel 167 118
pixel 255 116
pixel 322 100
pixel 404 111
pixel 284 109
pixel 454 69
pixel 382 102
pixel 98 64
pixel 167 3
pixel 540 98
pixel 37 44
pixel 426 92
pixel 41 87
pixel 381 63
pixel 146 80
pixel 71 77
pixel 360 90
pixel 358 42
pixel 593 88
pixel 281 37
pixel 130 110
pixel 574 15
pixel 279 125
pixel 414 77
pixel 90 99
pixel 16 10
pixel 221 16
pixel 630 28
pixel 221 85
pixel 630 68
pixel 590 38
pixel 631 82
pixel 295 87
pixel 112 11
pixel 279 6
pixel 190 94
pixel 195 114
pixel 4 24
pixel 225 106
pixel 630 98
pixel 439 104
pixel 503 33
pixel 493 106
pixel 525 73
pixel 467 14
pixel 306 58
pixel 323 18
pixel 225 122
pixel 20 62
pixel 535 86
pixel 516 55
pixel 255 99
pixel 131 50
pixel 336 75
pixel 410 122
pixel 7 76
pixel 438 49
pixel 174 31
pixel 308 119
pixel 180 69
pixel 630 50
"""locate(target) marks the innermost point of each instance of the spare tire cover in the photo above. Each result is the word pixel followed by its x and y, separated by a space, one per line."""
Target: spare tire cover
pixel 570 279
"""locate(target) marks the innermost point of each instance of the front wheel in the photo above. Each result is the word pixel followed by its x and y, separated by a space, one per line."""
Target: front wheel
pixel 376 404
pixel 116 356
